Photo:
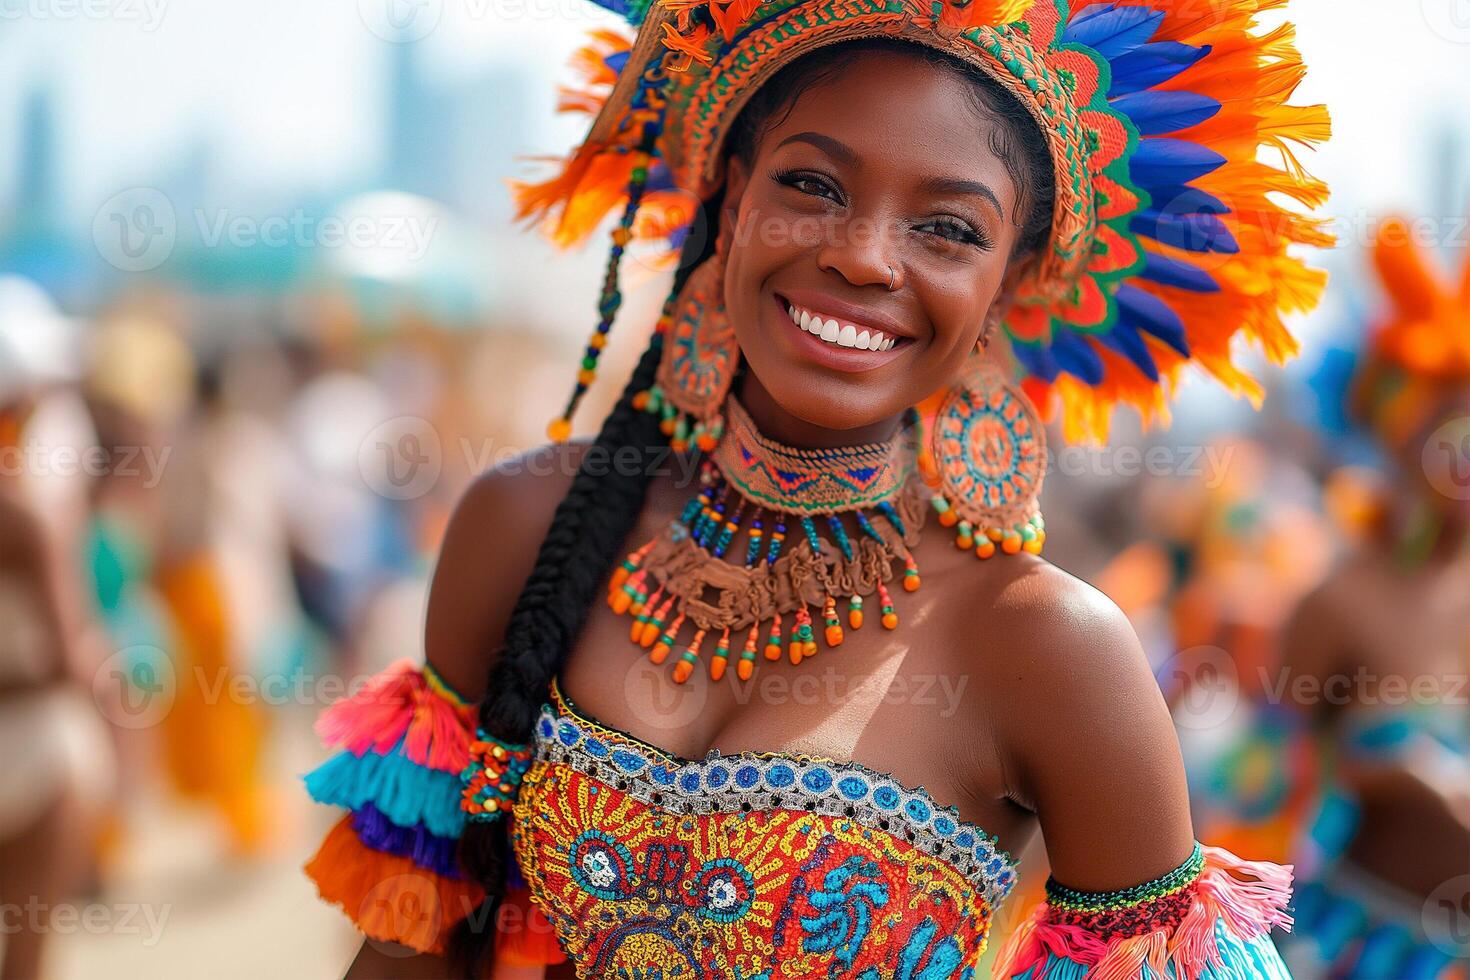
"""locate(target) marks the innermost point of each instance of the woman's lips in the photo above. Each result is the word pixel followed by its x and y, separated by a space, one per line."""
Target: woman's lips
pixel 840 343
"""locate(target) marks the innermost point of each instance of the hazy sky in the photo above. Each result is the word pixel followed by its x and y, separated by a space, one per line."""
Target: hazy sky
pixel 289 89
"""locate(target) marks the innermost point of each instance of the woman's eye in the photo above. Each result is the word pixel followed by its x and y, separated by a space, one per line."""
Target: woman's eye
pixel 958 231
pixel 809 184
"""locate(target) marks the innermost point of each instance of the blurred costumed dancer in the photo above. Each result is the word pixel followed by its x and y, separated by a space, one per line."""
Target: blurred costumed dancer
pixel 1385 644
pixel 161 539
pixel 58 768
pixel 870 197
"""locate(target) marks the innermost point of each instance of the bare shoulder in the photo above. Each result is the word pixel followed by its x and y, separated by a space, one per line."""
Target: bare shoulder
pixel 1082 725
pixel 488 552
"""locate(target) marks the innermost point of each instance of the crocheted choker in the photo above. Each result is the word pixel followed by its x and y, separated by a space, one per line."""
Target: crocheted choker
pixel 855 512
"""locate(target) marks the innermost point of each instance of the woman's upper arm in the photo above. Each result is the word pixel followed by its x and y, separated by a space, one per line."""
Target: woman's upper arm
pixel 489 549
pixel 1091 744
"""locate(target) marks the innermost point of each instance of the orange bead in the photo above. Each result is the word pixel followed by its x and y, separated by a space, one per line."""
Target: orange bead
pixel 586 376
pixel 666 427
pixel 706 442
pixel 717 668
pixel 660 652
pixel 985 548
pixel 964 542
pixel 678 445
pixel 682 670
pixel 948 519
pixel 834 636
pixel 1011 544
pixel 560 430
pixel 796 650
pixel 773 652
pixel 640 400
pixel 650 633
pixel 1032 547
pixel 619 576
pixel 890 621
pixel 855 618
pixel 597 341
pixel 744 669
pixel 620 601
pixel 809 648
pixel 911 583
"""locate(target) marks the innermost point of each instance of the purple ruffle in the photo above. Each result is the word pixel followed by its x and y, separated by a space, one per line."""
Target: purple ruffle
pixel 428 851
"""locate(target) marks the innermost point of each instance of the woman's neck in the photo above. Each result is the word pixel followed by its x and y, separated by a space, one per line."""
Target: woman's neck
pixel 779 425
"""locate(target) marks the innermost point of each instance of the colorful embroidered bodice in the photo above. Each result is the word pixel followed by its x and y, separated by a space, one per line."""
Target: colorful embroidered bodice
pixel 745 866
pixel 639 865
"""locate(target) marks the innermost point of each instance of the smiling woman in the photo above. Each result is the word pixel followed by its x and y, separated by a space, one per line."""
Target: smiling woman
pixel 884 189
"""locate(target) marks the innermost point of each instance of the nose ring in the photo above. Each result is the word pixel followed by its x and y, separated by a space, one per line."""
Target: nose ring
pixel 890 278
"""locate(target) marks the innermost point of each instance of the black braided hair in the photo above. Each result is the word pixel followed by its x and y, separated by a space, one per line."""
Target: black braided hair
pixel 602 506
pixel 585 539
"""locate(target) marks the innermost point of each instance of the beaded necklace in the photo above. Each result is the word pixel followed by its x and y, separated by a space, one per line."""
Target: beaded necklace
pixel 821 526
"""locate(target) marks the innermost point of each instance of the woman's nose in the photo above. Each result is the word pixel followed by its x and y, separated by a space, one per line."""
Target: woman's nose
pixel 859 250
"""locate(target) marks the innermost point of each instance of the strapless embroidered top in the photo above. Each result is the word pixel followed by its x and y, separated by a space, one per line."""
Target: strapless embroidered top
pixel 640 865
pixel 756 865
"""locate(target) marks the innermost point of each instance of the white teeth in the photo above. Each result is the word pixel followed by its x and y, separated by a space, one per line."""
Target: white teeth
pixel 841 334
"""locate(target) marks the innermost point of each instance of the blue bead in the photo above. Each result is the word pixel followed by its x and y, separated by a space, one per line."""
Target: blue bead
pixel 780 776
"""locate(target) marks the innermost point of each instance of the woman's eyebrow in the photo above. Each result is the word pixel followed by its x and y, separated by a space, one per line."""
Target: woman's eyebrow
pixel 961 186
pixel 834 148
pixel 932 185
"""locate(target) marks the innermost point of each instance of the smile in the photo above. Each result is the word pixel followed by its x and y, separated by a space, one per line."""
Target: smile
pixel 839 333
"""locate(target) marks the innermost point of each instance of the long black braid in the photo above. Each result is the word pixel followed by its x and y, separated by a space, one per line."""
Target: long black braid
pixel 585 539
pixel 602 506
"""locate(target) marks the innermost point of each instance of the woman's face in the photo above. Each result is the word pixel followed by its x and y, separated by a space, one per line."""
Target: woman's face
pixel 886 164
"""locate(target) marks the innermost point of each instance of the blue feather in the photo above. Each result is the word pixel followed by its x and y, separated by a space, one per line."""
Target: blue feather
pixel 1165 161
pixel 1154 113
pixel 1124 339
pixel 1181 275
pixel 1076 356
pixel 1179 199
pixel 1113 31
pixel 1191 232
pixel 1152 64
pixel 406 792
pixel 1036 359
pixel 1146 312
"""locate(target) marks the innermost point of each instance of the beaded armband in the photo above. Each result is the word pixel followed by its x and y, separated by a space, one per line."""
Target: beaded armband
pixel 493 776
pixel 1209 917
pixel 1157 904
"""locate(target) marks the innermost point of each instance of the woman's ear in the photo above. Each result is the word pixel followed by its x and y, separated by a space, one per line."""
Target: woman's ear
pixel 1016 271
pixel 737 175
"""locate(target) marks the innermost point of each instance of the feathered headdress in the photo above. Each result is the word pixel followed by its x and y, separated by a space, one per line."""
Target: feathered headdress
pixel 1421 344
pixel 1167 238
